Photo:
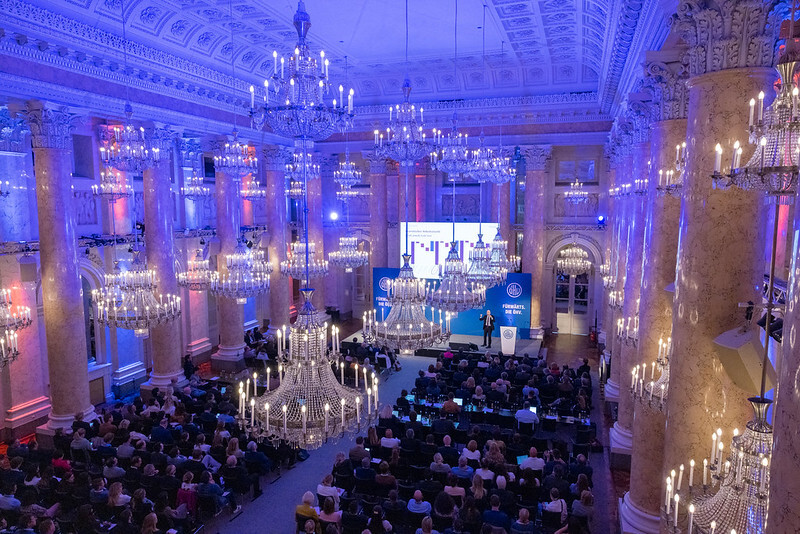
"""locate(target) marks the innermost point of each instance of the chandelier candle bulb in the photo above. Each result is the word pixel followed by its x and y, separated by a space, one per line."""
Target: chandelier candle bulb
pixel 717 158
pixel 280 373
pixel 252 412
pixel 358 409
pixel 662 394
pixel 280 343
pixel 705 471
pixel 668 495
pixel 691 473
pixel 672 475
pixel 341 372
pixel 752 112
pixel 255 382
pixel 266 409
pixel 721 447
pixel 343 402
pixel 680 478
pixel 652 387
pixel 375 396
pixel 303 414
pixel 369 400
pixel 691 519
pixel 653 370
pixel 675 519
pixel 284 408
pixel 327 409
pixel 713 526
pixel 356 376
pixel 268 371
pixel 247 390
pixel 762 484
pixel 252 96
pixel 734 163
pixel 713 447
pixel 760 107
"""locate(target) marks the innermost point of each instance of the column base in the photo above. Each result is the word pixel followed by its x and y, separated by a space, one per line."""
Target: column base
pixel 633 520
pixel 611 391
pixel 228 359
pixel 162 382
pixel 23 419
pixel 45 432
pixel 200 350
pixel 621 440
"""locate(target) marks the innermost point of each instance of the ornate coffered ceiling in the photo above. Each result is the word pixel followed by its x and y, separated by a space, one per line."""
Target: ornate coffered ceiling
pixel 552 47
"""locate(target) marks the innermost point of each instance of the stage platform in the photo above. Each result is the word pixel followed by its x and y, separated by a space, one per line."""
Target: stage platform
pixel 529 346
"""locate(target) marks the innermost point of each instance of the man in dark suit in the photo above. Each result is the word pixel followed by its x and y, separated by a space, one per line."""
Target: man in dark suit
pixel 488 326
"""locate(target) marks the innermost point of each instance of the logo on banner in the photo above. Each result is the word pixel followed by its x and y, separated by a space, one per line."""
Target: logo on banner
pixel 508 334
pixel 384 283
pixel 514 290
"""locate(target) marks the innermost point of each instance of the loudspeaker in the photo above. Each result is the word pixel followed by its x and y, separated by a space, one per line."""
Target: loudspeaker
pixel 28 269
pixel 741 355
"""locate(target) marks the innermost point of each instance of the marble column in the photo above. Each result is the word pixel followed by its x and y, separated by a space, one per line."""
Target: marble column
pixel 230 314
pixel 621 210
pixel 641 506
pixel 783 514
pixel 378 219
pixel 610 254
pixel 160 247
pixel 621 435
pixel 280 290
pixel 61 286
pixel 537 160
pixel 710 282
pixel 501 203
pixel 316 236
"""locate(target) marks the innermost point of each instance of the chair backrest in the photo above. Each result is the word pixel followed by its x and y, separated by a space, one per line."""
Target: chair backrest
pixel 498 530
pixel 551 519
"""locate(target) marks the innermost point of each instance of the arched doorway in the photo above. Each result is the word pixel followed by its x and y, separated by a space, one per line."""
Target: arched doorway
pixel 573 302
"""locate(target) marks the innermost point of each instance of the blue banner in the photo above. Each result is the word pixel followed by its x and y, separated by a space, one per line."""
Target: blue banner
pixel 509 303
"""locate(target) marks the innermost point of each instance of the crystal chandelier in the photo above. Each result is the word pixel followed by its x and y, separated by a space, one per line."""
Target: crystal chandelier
pixel 576 193
pixel 615 299
pixel 128 300
pixel 407 328
pixel 734 492
pixel 670 182
pixel 127 148
pixel 405 140
pixel 347 175
pixel 194 188
pixel 12 319
pixel 5 188
pixel 246 274
pixel 296 190
pixel 346 193
pixel 197 276
pixel 573 261
pixel 302 261
pixel 482 162
pixel 503 168
pixel 309 406
pixel 455 292
pixel 349 256
pixel 302 103
pixel 302 167
pixel 234 159
pixel 113 186
pixel 775 132
pixel 501 261
pixel 252 191
pixel 652 390
pixel 480 268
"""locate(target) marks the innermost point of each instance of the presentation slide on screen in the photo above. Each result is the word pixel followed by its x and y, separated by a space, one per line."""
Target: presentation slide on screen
pixel 429 243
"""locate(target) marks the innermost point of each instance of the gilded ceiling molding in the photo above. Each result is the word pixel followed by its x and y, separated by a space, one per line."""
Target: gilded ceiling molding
pixel 729 34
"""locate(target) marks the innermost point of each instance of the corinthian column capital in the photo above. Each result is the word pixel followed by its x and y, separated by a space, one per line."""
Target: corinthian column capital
pixel 13 132
pixel 377 164
pixel 666 82
pixel 275 157
pixel 50 127
pixel 537 157
pixel 729 34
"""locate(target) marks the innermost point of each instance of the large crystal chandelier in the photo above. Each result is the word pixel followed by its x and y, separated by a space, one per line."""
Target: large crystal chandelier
pixel 299 100
pixel 127 148
pixel 501 261
pixel 128 300
pixel 407 328
pixel 113 186
pixel 346 193
pixel 455 292
pixel 482 162
pixel 302 261
pixel 573 261
pixel 195 189
pixel 197 276
pixel 405 140
pixel 480 269
pixel 12 319
pixel 775 132
pixel 246 274
pixel 310 406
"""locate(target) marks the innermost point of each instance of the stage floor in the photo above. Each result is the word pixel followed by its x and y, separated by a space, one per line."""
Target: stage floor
pixel 529 346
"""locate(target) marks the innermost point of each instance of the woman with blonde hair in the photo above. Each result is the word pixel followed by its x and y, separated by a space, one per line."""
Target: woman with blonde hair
pixel 116 497
pixel 150 524
pixel 478 491
pixel 471 451
pixel 233 448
